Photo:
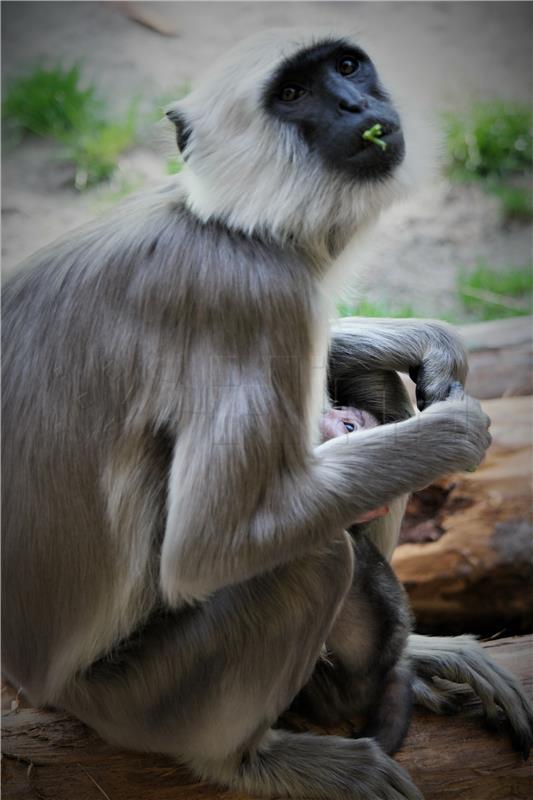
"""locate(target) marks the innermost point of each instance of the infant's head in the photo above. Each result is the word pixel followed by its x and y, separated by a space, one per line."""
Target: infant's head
pixel 345 419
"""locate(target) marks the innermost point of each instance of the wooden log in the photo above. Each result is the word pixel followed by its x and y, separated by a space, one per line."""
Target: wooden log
pixel 478 574
pixel 454 758
pixel 48 755
pixel 500 357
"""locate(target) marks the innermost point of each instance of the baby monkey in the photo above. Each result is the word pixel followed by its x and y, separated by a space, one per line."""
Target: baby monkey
pixel 371 677
pixel 347 419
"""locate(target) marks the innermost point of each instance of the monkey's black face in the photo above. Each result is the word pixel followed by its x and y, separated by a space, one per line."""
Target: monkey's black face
pixel 332 93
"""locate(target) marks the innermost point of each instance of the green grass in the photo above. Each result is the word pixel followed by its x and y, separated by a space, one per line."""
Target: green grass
pixel 50 102
pixel 493 144
pixel 95 152
pixel 517 201
pixel 491 140
pixel 488 293
pixel 367 309
pixel 56 103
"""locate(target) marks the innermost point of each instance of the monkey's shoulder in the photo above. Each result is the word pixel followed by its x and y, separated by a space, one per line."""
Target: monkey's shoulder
pixel 177 261
pixel 208 254
pixel 152 249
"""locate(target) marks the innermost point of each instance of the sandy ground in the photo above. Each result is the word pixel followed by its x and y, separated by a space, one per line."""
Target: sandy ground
pixel 433 56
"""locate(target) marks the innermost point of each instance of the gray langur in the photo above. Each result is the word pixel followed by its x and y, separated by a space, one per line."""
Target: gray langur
pixel 174 554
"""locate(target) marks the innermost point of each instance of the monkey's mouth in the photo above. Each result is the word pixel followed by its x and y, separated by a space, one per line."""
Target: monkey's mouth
pixel 377 157
pixel 390 135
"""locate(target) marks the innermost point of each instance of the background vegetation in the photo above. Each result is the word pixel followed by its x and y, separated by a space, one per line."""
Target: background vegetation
pixel 57 103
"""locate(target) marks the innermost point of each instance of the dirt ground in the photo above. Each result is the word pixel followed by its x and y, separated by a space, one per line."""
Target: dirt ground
pixel 433 56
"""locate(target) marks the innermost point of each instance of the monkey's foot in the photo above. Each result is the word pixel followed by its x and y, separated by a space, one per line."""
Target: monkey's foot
pixel 450 670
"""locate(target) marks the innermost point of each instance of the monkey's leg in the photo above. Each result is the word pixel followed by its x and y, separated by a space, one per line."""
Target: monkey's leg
pixel 388 721
pixel 363 671
pixel 205 683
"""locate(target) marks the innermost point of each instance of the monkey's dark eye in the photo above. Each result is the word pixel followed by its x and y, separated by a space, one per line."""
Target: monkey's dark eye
pixel 291 92
pixel 350 427
pixel 347 66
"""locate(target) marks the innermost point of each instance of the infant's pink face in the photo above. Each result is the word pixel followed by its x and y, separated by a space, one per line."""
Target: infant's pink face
pixel 346 419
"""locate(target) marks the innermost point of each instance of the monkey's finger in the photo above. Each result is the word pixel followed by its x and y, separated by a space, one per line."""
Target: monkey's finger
pixel 416 373
pixel 430 390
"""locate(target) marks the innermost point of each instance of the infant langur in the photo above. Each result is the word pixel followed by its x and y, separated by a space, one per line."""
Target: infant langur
pixel 347 419
pixel 378 685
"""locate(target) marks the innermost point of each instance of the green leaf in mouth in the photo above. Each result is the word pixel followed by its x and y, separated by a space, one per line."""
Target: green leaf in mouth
pixel 373 135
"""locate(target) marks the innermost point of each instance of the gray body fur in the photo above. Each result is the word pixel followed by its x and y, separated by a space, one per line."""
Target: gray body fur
pixel 174 550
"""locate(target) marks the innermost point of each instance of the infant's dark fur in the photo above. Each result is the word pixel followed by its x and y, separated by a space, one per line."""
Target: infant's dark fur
pixel 378 683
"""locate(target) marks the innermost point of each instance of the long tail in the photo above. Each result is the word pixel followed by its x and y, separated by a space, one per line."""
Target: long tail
pixel 302 765
pixel 442 662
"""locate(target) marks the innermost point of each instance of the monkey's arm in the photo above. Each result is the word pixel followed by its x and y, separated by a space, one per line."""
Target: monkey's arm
pixel 431 352
pixel 241 509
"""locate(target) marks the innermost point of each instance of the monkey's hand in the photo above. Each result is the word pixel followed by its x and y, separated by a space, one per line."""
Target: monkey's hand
pixel 449 670
pixel 461 430
pixel 443 366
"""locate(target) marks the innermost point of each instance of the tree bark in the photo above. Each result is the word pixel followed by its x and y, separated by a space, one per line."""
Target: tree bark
pixel 477 574
pixel 499 357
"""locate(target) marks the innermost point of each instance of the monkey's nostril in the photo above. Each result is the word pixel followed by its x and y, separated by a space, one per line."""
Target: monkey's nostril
pixel 352 107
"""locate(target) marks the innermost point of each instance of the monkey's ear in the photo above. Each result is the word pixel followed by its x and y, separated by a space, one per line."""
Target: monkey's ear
pixel 183 127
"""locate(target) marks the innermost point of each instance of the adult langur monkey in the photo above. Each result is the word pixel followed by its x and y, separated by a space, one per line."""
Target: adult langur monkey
pixel 174 549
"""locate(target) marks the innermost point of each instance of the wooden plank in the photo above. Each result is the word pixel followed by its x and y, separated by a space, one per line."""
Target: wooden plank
pixel 479 574
pixel 455 758
pixel 500 357
pixel 50 756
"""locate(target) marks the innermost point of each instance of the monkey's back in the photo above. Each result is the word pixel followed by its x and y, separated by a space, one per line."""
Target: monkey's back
pixel 63 333
pixel 104 334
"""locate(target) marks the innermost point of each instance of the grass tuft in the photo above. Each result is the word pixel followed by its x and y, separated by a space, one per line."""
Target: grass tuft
pixel 95 152
pixel 56 103
pixel 491 140
pixel 50 102
pixel 517 201
pixel 488 293
pixel 366 308
pixel 493 143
